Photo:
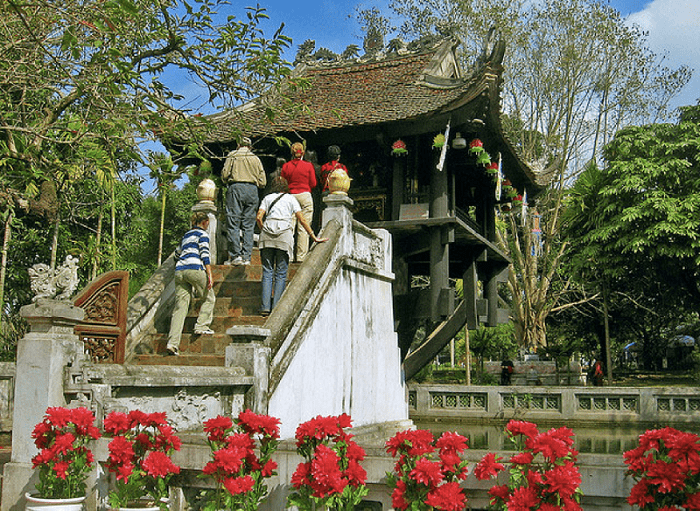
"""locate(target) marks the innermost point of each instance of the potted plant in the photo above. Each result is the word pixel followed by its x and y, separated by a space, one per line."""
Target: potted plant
pixel 64 460
pixel 139 455
pixel 238 471
pixel 421 482
pixel 666 469
pixel 543 475
pixel 330 477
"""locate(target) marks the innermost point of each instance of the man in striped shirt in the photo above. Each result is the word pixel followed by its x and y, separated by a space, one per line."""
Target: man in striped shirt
pixel 192 274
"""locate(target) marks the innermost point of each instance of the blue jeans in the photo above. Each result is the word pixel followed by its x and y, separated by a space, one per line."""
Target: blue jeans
pixel 241 208
pixel 274 275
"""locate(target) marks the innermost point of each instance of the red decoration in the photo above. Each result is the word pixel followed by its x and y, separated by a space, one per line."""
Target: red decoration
pixel 398 148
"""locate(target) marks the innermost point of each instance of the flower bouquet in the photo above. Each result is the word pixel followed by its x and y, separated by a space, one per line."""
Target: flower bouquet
pixel 666 468
pixel 331 474
pixel 139 455
pixel 420 481
pixel 64 461
pixel 543 475
pixel 239 473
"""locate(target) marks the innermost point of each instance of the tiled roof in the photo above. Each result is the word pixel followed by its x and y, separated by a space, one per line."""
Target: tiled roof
pixel 352 94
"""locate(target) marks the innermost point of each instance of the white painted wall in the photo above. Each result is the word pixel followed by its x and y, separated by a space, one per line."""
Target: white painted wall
pixel 348 360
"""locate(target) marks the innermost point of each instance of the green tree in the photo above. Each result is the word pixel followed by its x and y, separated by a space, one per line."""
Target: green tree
pixel 575 73
pixel 82 82
pixel 634 227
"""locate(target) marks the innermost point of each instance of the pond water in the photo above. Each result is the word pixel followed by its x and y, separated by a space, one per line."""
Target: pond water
pixel 605 439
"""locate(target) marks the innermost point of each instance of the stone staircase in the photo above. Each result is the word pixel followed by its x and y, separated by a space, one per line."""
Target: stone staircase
pixel 238 290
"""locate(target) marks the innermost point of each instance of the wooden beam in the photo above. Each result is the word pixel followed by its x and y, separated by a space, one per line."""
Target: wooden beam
pixel 438 339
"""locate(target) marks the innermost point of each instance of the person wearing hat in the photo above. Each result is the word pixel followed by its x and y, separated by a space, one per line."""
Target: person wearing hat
pixel 333 153
pixel 301 177
pixel 243 174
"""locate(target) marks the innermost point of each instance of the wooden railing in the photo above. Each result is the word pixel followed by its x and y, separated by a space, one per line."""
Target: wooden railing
pixel 104 328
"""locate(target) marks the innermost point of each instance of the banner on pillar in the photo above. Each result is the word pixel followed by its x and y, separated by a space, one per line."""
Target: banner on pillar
pixel 443 151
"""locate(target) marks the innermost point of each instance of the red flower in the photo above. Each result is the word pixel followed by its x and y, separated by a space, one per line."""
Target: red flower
pixel 159 464
pixel 238 485
pixel 551 446
pixel 240 441
pixel 61 469
pixel 124 472
pixel 397 496
pixel 499 493
pixel 563 480
pixel 667 475
pixel 451 442
pixel 411 442
pixel 522 458
pixel 489 466
pixel 116 423
pixel 229 459
pixel 693 501
pixel 301 475
pixel 262 424
pixel 269 468
pixel 216 428
pixel 426 472
pixel 522 499
pixel 120 451
pixel 326 474
pixel 448 497
pixel 475 143
pixel 527 429
pixel 355 474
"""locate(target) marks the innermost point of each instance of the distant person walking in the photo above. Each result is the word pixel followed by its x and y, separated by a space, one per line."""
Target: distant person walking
pixel 244 174
pixel 301 177
pixel 192 276
pixel 276 217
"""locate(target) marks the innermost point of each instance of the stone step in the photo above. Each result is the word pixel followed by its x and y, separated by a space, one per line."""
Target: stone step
pixel 181 360
pixel 238 294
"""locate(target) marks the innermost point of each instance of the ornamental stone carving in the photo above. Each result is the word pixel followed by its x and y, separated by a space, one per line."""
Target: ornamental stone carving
pixel 59 283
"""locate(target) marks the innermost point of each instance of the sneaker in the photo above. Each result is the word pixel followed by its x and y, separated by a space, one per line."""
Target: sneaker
pixel 237 260
pixel 204 332
pixel 245 263
pixel 264 313
pixel 172 350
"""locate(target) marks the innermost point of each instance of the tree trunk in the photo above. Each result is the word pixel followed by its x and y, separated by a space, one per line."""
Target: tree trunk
pixel 162 225
pixel 3 263
pixel 98 242
pixel 606 323
pixel 114 231
pixel 54 241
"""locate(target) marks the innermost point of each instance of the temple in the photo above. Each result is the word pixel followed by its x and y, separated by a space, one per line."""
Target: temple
pixel 438 198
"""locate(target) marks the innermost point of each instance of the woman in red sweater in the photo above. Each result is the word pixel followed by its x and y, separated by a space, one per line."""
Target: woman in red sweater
pixel 301 176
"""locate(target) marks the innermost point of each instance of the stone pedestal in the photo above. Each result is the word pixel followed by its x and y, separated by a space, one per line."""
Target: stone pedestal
pixel 42 355
pixel 337 207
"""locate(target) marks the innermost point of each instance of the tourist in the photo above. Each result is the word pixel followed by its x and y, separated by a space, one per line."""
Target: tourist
pixel 243 173
pixel 507 369
pixel 276 216
pixel 332 164
pixel 192 276
pixel 301 176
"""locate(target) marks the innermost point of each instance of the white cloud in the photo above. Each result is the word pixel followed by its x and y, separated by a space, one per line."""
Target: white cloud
pixel 674 31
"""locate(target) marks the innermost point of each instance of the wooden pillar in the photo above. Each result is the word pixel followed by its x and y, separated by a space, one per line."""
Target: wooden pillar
pixel 441 296
pixel 470 292
pixel 397 186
